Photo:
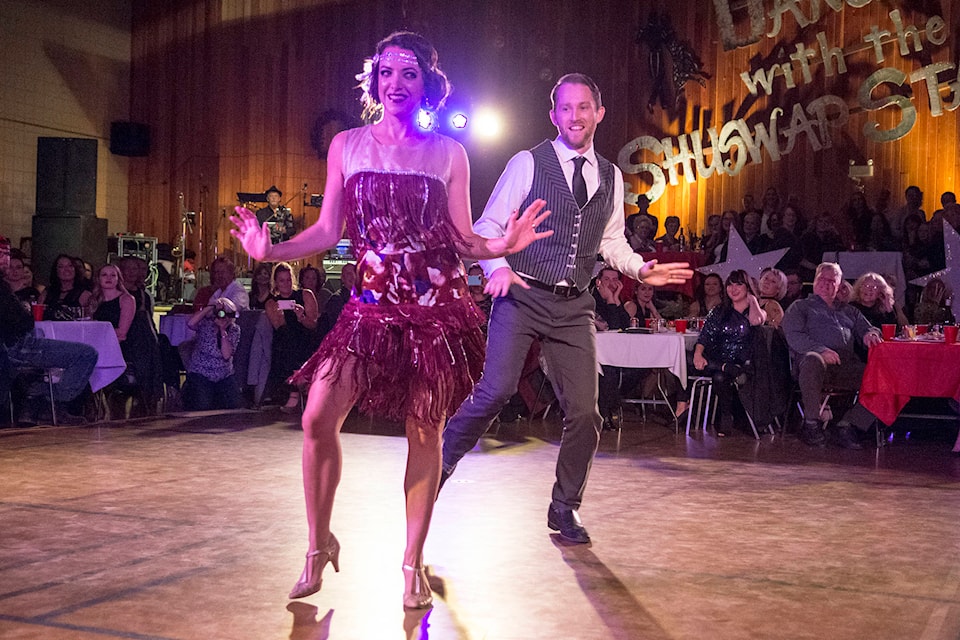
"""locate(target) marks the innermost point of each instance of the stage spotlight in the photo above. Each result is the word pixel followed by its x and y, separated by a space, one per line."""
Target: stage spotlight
pixel 459 120
pixel 427 120
pixel 487 124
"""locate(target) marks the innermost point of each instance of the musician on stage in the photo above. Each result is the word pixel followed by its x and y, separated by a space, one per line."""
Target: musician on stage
pixel 279 219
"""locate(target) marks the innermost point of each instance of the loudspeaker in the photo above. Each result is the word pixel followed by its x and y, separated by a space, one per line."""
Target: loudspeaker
pixel 80 236
pixel 66 176
pixel 129 139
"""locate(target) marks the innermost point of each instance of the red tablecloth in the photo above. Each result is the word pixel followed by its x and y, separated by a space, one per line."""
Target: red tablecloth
pixel 898 371
pixel 695 258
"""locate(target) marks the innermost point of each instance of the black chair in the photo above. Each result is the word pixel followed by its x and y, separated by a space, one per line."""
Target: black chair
pixel 22 375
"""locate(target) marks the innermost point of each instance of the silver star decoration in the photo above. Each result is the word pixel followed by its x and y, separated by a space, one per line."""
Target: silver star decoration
pixel 739 257
pixel 951 273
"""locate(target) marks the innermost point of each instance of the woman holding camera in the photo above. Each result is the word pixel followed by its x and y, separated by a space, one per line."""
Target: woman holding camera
pixel 210 383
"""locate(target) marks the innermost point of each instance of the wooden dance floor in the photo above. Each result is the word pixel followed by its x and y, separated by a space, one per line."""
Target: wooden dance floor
pixel 192 527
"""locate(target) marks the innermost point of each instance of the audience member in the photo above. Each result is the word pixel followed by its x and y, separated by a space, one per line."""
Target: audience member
pixel 669 240
pixel 210 381
pixel 67 298
pixel 223 279
pixel 348 280
pixel 135 272
pixel 730 219
pixel 708 295
pixel 897 217
pixel 844 292
pixel 476 281
pixel 713 237
pixel 314 278
pixel 723 347
pixel 821 238
pixel 749 204
pixel 20 279
pixel 873 297
pixel 293 314
pixel 784 229
pixel 932 307
pixel 110 302
pixel 612 314
pixel 641 305
pixel 75 359
pixel 756 242
pixel 822 335
pixel 871 230
pixel 794 288
pixel 640 230
pixel 769 207
pixel 260 285
pixel 921 254
pixel 773 289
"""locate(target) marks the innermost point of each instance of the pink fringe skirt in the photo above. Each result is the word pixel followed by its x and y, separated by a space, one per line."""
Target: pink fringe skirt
pixel 409 360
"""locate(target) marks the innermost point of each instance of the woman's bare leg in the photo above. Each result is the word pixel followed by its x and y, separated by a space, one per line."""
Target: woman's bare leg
pixel 327 407
pixel 420 485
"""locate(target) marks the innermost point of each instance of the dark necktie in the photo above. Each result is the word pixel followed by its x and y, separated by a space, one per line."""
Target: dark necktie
pixel 579 184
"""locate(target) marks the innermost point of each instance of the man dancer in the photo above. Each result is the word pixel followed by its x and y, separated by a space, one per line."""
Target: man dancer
pixel 540 291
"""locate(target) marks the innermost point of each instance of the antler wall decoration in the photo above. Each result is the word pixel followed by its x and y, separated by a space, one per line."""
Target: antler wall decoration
pixel 659 37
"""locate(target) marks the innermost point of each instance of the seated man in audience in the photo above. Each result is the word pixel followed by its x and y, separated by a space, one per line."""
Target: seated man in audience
pixel 612 315
pixel 223 280
pixel 75 359
pixel 669 239
pixel 135 272
pixel 822 334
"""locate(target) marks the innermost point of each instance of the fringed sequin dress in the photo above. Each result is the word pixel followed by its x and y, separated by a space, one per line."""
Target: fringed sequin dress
pixel 410 326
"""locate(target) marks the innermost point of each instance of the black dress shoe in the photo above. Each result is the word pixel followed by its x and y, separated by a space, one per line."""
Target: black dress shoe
pixel 812 435
pixel 568 524
pixel 848 438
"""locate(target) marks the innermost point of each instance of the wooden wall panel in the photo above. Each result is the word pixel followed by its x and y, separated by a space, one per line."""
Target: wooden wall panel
pixel 231 90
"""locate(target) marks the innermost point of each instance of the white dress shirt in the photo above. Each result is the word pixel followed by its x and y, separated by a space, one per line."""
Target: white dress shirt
pixel 236 293
pixel 513 187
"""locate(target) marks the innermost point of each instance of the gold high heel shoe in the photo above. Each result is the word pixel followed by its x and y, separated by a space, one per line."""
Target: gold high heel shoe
pixel 312 576
pixel 420 597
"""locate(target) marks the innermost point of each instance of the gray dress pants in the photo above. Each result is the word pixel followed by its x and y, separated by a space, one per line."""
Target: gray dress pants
pixel 565 326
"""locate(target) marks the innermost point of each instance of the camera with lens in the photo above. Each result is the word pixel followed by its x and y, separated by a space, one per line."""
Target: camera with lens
pixel 223 313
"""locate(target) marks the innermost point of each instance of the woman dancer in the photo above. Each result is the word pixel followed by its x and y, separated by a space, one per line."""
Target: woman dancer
pixel 408 344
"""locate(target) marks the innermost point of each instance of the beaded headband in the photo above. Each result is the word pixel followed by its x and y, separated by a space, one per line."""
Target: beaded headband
pixel 398 55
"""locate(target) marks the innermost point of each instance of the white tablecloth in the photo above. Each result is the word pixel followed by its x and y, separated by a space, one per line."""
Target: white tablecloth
pixel 887 263
pixel 646 351
pixel 176 329
pixel 99 335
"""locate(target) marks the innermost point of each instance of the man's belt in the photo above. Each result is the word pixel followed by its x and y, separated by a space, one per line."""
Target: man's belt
pixel 561 290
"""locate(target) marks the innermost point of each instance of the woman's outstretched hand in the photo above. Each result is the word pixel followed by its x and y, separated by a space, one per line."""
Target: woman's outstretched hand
pixel 254 237
pixel 522 230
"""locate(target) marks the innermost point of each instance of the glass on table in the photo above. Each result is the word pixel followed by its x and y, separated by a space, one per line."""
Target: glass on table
pixel 910 331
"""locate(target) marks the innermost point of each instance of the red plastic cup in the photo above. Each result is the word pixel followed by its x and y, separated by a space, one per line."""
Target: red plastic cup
pixel 648 322
pixel 950 333
pixel 38 310
pixel 922 329
pixel 889 331
pixel 680 325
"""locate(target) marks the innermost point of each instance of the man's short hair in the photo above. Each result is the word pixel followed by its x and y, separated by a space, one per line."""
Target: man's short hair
pixel 576 78
pixel 829 266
